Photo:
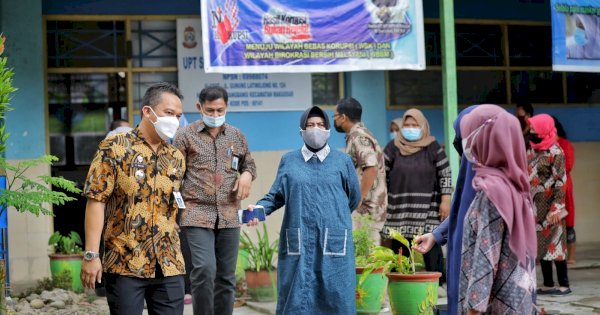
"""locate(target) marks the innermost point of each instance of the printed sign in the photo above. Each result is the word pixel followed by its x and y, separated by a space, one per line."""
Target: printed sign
pixel 312 36
pixel 247 91
pixel 576 35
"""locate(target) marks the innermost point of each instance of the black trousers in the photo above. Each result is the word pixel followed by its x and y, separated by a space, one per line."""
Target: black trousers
pixel 434 259
pixel 125 295
pixel 561 273
pixel 187 257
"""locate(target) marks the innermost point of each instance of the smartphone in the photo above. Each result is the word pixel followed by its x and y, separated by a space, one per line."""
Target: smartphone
pixel 245 215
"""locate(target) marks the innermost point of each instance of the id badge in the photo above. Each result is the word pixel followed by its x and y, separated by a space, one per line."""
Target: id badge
pixel 179 200
pixel 235 160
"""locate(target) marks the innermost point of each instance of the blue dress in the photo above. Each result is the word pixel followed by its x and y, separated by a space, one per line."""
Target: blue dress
pixel 315 272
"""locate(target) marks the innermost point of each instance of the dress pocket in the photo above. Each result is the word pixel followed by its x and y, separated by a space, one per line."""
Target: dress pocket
pixel 335 242
pixel 293 241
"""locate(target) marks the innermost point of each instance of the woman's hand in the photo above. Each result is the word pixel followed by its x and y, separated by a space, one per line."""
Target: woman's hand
pixel 424 243
pixel 254 221
pixel 445 207
pixel 554 217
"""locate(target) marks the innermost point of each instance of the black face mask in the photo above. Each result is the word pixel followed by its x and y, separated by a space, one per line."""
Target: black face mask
pixel 534 138
pixel 338 128
pixel 457 143
pixel 522 121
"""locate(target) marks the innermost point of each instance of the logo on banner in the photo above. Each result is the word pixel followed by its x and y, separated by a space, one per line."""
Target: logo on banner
pixel 286 26
pixel 389 17
pixel 189 37
pixel 225 23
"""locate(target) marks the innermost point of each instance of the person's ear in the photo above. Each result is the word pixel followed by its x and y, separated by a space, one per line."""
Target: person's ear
pixel 199 106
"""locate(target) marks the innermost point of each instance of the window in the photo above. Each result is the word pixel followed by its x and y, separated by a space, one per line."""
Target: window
pixel 326 88
pixel 497 62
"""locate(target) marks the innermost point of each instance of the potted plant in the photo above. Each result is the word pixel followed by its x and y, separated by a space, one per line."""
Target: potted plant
pixel 66 255
pixel 370 290
pixel 410 292
pixel 261 276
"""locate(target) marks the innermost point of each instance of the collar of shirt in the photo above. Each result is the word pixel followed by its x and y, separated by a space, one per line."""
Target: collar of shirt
pixel 321 154
pixel 202 126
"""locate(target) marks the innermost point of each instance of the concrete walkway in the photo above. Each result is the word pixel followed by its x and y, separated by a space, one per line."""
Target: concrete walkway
pixel 584 279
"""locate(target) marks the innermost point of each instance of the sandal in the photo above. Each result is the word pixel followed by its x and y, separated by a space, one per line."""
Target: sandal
pixel 552 291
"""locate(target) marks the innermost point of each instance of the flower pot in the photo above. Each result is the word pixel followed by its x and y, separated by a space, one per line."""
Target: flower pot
pixel 370 294
pixel 262 285
pixel 413 294
pixel 242 263
pixel 71 263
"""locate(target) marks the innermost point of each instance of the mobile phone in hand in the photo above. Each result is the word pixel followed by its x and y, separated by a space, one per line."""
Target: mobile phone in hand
pixel 245 215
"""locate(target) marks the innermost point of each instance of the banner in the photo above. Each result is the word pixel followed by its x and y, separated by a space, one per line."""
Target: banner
pixel 576 35
pixel 312 36
pixel 247 91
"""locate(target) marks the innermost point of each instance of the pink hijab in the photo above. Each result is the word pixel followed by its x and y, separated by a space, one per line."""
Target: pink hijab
pixel 501 172
pixel 543 126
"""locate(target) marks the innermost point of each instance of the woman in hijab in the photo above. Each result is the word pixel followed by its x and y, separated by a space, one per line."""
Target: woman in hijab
pixel 498 247
pixel 395 128
pixel 319 188
pixel 548 178
pixel 419 186
pixel 451 230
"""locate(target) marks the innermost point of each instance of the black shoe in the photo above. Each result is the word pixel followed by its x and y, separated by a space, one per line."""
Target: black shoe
pixel 552 291
pixel 563 292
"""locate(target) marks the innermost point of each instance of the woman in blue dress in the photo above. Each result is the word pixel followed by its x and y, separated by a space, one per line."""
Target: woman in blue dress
pixel 319 188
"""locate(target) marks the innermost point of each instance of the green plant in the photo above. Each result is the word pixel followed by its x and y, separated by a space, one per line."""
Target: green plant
pixel 67 245
pixel 262 254
pixel 383 257
pixel 62 280
pixel 363 242
pixel 22 192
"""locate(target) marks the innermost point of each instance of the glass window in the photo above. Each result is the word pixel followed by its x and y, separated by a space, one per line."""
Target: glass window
pixel 537 87
pixel 478 87
pixel 154 43
pixel 583 88
pixel 86 43
pixel 433 45
pixel 530 45
pixel 479 45
pixel 415 87
pixel 142 81
pixel 325 88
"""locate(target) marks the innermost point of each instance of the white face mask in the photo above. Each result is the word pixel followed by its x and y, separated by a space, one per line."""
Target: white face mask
pixel 165 126
pixel 315 138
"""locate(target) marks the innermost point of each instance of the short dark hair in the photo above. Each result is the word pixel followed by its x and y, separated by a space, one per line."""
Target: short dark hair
pixel 117 123
pixel 212 93
pixel 351 108
pixel 154 93
pixel 527 107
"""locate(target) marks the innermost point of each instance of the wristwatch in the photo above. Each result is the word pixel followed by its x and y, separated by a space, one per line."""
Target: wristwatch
pixel 89 255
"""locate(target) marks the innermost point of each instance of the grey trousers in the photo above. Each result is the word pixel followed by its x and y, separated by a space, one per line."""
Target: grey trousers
pixel 214 257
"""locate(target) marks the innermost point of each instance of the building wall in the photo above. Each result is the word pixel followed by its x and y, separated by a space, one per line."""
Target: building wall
pixel 21 23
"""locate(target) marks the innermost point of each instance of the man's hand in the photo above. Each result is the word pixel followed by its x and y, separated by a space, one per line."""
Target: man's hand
pixel 242 185
pixel 445 207
pixel 91 271
pixel 553 217
pixel 424 243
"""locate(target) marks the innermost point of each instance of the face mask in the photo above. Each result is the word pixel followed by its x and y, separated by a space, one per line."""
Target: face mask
pixel 522 121
pixel 315 138
pixel 458 146
pixel 467 150
pixel 534 138
pixel 213 122
pixel 165 126
pixel 411 134
pixel 392 135
pixel 338 128
pixel 579 36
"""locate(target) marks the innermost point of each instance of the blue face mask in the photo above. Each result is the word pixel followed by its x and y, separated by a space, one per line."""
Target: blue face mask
pixel 411 134
pixel 392 135
pixel 580 37
pixel 213 122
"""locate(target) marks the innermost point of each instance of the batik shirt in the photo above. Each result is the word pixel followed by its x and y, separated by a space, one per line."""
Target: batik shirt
pixel 492 280
pixel 214 165
pixel 137 186
pixel 366 152
pixel 547 177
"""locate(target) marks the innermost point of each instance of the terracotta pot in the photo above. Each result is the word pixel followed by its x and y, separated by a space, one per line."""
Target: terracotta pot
pixel 262 285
